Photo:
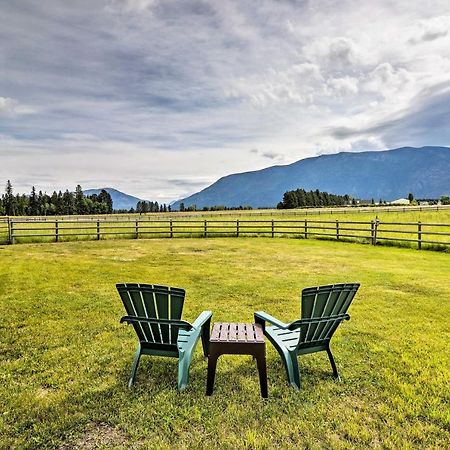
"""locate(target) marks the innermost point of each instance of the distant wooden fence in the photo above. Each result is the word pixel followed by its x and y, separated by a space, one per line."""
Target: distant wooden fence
pixel 310 211
pixel 374 232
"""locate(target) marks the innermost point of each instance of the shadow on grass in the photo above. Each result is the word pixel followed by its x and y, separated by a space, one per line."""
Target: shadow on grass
pixel 154 405
pixel 238 374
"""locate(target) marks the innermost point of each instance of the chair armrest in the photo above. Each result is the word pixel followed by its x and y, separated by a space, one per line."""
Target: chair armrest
pixel 318 320
pixel 261 317
pixel 136 319
pixel 202 319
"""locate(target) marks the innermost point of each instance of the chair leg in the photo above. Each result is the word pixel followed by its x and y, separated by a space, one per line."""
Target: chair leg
pixel 293 371
pixel 205 337
pixel 183 371
pixel 291 365
pixel 333 364
pixel 137 357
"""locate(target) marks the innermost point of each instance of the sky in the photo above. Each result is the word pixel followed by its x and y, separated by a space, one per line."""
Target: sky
pixel 160 98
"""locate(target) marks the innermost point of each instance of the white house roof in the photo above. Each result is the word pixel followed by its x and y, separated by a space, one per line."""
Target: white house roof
pixel 400 201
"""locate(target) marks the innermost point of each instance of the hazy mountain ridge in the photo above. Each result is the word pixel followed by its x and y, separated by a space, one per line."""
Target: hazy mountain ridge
pixel 120 199
pixel 388 174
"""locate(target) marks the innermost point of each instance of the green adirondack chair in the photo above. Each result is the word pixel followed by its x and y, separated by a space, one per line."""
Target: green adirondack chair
pixel 155 313
pixel 323 309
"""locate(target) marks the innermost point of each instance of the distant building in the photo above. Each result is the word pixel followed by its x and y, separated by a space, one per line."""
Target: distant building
pixel 400 201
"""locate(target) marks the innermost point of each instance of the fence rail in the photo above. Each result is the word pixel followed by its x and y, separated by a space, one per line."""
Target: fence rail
pixel 311 211
pixel 374 231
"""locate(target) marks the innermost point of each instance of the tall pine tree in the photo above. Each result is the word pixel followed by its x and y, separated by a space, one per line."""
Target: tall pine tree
pixel 9 202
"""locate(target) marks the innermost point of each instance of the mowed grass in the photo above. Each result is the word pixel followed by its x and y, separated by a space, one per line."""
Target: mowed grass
pixel 65 359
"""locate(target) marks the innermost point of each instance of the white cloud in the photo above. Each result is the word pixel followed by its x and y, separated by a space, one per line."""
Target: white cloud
pixel 132 5
pixel 432 29
pixel 10 106
pixel 336 54
pixel 388 81
pixel 125 91
pixel 344 86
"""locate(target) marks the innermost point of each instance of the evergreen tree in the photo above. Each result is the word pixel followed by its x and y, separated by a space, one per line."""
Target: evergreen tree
pixel 300 198
pixel 68 203
pixel 80 201
pixel 33 209
pixel 106 200
pixel 40 204
pixel 59 205
pixel 21 205
pixel 53 204
pixel 9 203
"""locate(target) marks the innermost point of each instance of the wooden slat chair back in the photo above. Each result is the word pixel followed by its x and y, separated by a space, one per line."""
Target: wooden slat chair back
pixel 323 308
pixel 155 313
pixel 154 302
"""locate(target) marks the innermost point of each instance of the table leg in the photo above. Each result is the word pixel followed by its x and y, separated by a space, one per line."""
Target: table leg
pixel 262 370
pixel 212 363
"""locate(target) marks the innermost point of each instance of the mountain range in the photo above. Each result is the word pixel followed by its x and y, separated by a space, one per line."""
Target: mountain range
pixel 120 199
pixel 387 174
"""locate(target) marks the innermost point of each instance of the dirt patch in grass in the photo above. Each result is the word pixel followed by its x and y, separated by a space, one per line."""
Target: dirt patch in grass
pixel 98 435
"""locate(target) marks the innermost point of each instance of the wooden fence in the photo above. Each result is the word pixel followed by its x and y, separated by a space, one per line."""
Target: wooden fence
pixel 312 211
pixel 410 233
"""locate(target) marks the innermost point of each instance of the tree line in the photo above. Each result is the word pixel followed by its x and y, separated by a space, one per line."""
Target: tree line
pixel 300 198
pixel 58 203
pixel 193 207
pixel 143 207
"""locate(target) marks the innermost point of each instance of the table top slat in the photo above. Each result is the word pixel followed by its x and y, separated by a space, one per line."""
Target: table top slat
pixel 216 331
pixel 242 332
pixel 232 332
pixel 224 332
pixel 259 333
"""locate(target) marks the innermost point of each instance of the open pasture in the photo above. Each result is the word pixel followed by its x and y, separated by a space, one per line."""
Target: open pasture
pixel 65 359
pixel 424 228
pixel 428 228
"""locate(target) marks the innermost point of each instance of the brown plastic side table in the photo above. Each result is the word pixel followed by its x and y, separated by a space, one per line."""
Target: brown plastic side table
pixel 237 339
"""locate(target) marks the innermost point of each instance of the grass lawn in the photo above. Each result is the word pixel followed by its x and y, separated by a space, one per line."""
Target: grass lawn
pixel 65 359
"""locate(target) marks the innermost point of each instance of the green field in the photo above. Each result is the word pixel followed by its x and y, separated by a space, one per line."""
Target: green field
pixel 65 359
pixel 397 227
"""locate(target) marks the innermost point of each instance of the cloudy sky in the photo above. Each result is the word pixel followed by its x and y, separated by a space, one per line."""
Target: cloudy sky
pixel 160 98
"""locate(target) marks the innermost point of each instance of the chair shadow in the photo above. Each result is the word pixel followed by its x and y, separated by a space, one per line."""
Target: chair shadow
pixel 157 375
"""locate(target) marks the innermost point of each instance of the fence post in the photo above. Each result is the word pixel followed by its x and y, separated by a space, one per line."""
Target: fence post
pixel 273 229
pixel 337 229
pixel 10 231
pixel 98 230
pixel 373 229
pixel 306 229
pixel 205 231
pixel 171 228
pixel 419 235
pixel 56 231
pixel 136 236
pixel 237 227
